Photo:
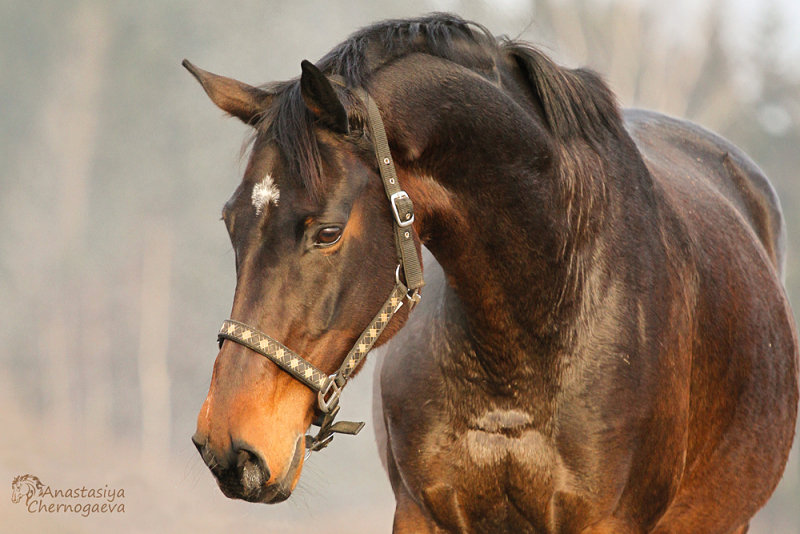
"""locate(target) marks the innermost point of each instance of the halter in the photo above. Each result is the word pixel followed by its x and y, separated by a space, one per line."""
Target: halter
pixel 329 387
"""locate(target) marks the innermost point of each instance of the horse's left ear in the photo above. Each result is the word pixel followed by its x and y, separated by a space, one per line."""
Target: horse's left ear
pixel 321 99
pixel 232 96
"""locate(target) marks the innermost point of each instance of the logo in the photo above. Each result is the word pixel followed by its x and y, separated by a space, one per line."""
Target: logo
pixel 25 486
pixel 40 498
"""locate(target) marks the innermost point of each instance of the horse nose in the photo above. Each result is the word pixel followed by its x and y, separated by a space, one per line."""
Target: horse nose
pixel 251 467
pixel 241 470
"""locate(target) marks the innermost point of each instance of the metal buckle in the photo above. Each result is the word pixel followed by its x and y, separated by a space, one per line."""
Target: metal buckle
pixel 401 284
pixel 324 436
pixel 328 397
pixel 314 445
pixel 414 297
pixel 393 202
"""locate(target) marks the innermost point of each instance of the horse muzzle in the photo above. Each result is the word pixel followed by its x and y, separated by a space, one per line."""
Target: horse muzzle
pixel 243 473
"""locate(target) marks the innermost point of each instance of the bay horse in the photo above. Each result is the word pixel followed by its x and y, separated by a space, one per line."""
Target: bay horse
pixel 604 344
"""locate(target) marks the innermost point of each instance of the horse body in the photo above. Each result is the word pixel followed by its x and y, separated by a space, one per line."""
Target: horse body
pixel 603 345
pixel 476 457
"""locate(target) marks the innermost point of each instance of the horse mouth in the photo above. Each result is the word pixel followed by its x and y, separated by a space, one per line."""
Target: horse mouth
pixel 241 487
pixel 267 494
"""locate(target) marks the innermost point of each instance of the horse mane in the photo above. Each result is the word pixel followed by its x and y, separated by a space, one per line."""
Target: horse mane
pixel 372 47
pixel 576 103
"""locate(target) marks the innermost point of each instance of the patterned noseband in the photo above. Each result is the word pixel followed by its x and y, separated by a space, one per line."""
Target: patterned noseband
pixel 329 387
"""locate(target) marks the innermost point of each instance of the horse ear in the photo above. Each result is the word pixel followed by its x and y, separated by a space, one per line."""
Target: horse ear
pixel 321 99
pixel 234 97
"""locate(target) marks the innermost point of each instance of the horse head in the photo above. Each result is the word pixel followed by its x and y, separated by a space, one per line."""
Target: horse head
pixel 315 259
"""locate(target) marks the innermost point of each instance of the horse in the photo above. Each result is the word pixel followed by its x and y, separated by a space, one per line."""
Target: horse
pixel 603 344
pixel 25 486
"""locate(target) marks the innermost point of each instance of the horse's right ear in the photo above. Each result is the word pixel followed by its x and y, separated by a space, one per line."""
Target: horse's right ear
pixel 234 97
pixel 321 99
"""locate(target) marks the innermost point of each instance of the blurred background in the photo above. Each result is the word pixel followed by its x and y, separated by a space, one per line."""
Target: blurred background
pixel 115 272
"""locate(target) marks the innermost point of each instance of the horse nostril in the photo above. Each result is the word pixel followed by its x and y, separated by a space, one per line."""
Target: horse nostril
pixel 240 470
pixel 253 470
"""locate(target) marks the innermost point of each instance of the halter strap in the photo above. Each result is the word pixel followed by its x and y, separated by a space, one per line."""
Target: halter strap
pixel 402 207
pixel 329 388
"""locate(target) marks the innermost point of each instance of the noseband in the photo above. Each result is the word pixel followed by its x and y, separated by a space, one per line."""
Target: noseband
pixel 329 387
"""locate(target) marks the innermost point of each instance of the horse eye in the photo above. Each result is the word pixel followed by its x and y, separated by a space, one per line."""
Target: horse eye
pixel 328 236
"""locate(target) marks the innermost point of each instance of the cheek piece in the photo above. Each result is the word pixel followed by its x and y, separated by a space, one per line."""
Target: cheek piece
pixel 329 387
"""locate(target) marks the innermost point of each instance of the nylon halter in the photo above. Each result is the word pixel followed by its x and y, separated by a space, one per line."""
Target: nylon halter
pixel 329 387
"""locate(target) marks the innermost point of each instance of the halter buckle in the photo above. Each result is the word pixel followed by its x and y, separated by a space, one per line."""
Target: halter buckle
pixel 414 297
pixel 328 397
pixel 408 217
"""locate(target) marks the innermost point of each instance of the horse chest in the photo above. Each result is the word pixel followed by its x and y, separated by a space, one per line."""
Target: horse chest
pixel 473 460
pixel 498 475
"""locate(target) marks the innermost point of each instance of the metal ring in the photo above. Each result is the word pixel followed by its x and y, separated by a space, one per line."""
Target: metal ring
pixel 328 397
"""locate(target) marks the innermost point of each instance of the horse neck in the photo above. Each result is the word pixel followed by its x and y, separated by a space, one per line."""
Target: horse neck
pixel 509 213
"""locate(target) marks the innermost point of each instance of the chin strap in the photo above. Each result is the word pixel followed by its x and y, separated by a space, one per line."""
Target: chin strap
pixel 329 387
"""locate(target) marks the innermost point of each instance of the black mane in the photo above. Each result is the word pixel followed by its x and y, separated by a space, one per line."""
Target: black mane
pixel 368 49
pixel 575 103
